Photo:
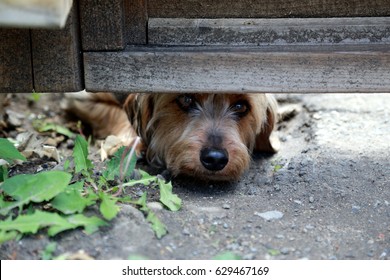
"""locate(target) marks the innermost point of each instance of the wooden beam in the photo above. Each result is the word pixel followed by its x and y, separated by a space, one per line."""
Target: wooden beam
pixel 253 32
pixel 102 25
pixel 15 61
pixel 57 58
pixel 277 69
pixel 267 8
pixel 34 13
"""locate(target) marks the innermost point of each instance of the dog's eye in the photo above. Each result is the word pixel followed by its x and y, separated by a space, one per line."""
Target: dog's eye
pixel 240 108
pixel 185 102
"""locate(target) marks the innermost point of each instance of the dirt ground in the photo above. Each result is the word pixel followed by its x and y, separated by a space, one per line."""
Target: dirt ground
pixel 325 195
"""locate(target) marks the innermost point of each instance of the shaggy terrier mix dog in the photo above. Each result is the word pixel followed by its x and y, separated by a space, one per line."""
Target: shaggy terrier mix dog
pixel 208 136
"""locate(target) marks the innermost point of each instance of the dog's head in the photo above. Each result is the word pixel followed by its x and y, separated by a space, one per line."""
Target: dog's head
pixel 208 136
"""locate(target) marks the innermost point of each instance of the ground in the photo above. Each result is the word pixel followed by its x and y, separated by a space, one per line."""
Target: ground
pixel 325 195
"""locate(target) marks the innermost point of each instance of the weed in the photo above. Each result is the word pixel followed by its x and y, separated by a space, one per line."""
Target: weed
pixel 56 201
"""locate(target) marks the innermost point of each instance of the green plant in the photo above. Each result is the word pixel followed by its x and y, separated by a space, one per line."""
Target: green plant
pixel 59 199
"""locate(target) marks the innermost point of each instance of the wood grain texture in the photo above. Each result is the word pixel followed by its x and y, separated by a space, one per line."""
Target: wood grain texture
pixel 249 32
pixel 266 8
pixel 15 61
pixel 102 25
pixel 57 58
pixel 135 21
pixel 268 69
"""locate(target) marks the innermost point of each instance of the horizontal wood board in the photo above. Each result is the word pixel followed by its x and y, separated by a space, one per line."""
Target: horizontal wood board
pixel 300 69
pixel 244 32
pixel 266 8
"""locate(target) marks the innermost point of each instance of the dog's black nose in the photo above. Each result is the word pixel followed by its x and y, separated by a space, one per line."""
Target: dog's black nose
pixel 214 159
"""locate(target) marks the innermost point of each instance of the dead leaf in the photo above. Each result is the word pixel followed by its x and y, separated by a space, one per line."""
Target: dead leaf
pixel 110 145
pixel 30 144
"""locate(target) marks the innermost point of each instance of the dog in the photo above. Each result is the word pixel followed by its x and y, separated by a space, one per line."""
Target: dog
pixel 204 135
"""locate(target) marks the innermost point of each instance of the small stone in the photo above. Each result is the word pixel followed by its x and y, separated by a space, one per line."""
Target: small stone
pixel 311 199
pixel 226 206
pixel 186 232
pixel 279 236
pixel 309 227
pixel 156 206
pixel 355 208
pixel 270 215
pixel 298 202
pixel 317 116
pixel 285 251
pixel 14 118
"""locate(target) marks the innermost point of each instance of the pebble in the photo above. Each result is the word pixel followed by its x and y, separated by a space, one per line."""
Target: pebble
pixel 226 206
pixel 298 202
pixel 311 199
pixel 285 251
pixel 270 215
pixel 14 118
pixel 355 208
pixel 156 206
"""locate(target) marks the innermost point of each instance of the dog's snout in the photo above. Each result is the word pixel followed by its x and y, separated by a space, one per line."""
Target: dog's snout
pixel 214 159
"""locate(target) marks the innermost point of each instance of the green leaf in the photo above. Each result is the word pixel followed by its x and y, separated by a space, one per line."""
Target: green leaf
pixel 135 257
pixel 113 165
pixel 32 223
pixel 71 200
pixel 80 155
pixel 45 126
pixel 7 235
pixel 47 253
pixel 108 206
pixel 278 167
pixel 3 203
pixel 8 152
pixel 158 227
pixel 39 187
pixel 54 222
pixel 35 96
pixel 273 252
pixel 3 173
pixel 227 256
pixel 90 224
pixel 170 200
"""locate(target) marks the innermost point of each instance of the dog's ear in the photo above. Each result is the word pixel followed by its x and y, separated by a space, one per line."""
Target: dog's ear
pixel 139 109
pixel 266 140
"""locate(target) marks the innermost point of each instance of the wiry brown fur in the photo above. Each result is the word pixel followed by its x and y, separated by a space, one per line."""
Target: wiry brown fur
pixel 174 137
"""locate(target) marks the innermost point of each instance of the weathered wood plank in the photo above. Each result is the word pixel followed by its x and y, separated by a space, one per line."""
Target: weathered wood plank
pixel 267 69
pixel 34 13
pixel 267 8
pixel 57 58
pixel 174 31
pixel 136 18
pixel 102 25
pixel 15 61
